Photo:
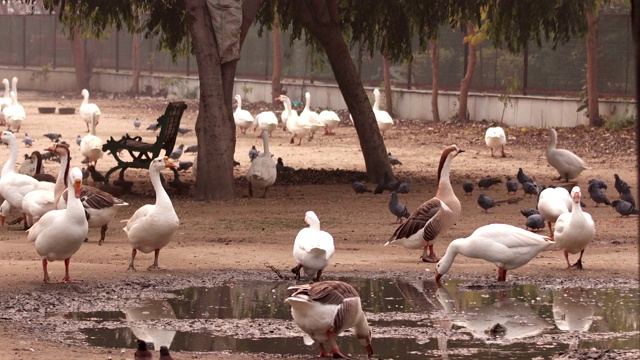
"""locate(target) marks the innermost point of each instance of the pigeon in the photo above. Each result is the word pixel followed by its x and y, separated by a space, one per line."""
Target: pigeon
pixel 280 168
pixel 253 153
pixel 96 176
pixel 142 353
pixel 522 177
pixel 52 136
pixel 360 187
pixel 598 195
pixel 386 183
pixel 530 188
pixel 85 175
pixel 397 208
pixel 403 188
pixel 184 165
pixel 468 188
pixel 620 184
pixel 628 197
pixel 486 202
pixel 393 160
pixel 191 149
pixel 164 353
pixel 600 182
pixel 49 156
pixel 153 127
pixel 624 208
pixel 487 182
pixel 27 140
pixel 183 131
pixel 528 212
pixel 176 153
pixel 535 222
pixel 136 124
pixel 78 140
pixel 512 185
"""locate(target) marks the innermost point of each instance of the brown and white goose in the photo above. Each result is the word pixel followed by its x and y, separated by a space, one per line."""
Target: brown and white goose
pixel 434 216
pixel 568 164
pixel 325 309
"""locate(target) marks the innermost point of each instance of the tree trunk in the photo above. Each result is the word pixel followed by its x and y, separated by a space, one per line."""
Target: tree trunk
pixel 387 86
pixel 434 83
pixel 276 73
pixel 135 64
pixel 592 80
pixel 322 20
pixel 77 46
pixel 465 84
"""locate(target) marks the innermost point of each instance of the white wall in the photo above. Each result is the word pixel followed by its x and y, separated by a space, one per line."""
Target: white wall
pixel 524 111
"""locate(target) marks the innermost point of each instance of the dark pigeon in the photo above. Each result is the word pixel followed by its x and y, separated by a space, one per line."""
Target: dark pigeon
pixel 597 195
pixel 512 186
pixel 49 156
pixel 360 187
pixel 78 140
pixel 183 131
pixel 184 165
pixel 191 149
pixel 522 177
pixel 96 176
pixel 85 174
pixel 281 168
pixel 253 153
pixel 601 184
pixel 531 188
pixel 142 353
pixel 534 222
pixel 486 202
pixel 153 127
pixel 176 153
pixel 628 197
pixel 528 212
pixel 620 184
pixel 164 353
pixel 624 208
pixel 404 188
pixel 393 160
pixel 468 188
pixel 52 136
pixel 487 182
pixel 397 208
pixel 27 140
pixel 386 183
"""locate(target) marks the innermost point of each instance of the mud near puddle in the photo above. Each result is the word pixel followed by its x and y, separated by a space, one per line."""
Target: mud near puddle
pixel 244 311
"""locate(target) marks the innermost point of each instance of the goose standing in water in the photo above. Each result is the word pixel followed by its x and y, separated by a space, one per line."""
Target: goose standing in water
pixel 434 216
pixel 153 225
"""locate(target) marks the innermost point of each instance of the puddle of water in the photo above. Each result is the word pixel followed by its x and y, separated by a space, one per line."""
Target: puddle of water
pixel 522 311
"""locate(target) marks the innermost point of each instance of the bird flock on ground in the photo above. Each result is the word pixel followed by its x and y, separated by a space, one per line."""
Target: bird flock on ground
pixel 57 215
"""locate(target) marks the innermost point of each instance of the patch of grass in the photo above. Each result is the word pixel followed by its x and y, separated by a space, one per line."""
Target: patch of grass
pixel 620 122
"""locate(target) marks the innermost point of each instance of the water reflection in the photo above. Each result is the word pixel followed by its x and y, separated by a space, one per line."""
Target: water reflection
pixel 151 310
pixel 572 310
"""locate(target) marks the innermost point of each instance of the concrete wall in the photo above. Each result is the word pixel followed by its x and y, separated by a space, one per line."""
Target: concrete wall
pixel 524 111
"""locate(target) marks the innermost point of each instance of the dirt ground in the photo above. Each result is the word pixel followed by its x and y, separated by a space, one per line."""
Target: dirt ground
pixel 245 233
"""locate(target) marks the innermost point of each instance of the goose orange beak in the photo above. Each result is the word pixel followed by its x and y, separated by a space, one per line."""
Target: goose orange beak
pixel 76 186
pixel 169 164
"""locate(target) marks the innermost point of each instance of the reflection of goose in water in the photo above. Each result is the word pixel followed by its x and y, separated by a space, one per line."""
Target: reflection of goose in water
pixel 152 310
pixel 507 318
pixel 572 310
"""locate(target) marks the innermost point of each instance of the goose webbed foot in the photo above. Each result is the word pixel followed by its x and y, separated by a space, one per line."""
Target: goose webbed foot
pixel 296 271
pixel 103 234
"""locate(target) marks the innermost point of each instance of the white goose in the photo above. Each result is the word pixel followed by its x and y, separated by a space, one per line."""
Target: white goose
pixel 91 145
pixel 310 116
pixel 568 164
pixel 312 249
pixel 297 125
pixel 325 309
pixel 265 121
pixel 384 120
pixel 574 230
pixel 434 216
pixel 153 225
pixel 507 246
pixel 5 100
pixel 88 110
pixel 101 206
pixel 14 113
pixel 14 186
pixel 552 202
pixel 242 118
pixel 60 233
pixel 330 119
pixel 262 172
pixel 495 138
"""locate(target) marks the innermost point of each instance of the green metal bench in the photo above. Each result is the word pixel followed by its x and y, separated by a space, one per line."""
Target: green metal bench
pixel 143 153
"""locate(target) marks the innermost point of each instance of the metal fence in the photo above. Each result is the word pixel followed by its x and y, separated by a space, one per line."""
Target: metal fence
pixel 37 41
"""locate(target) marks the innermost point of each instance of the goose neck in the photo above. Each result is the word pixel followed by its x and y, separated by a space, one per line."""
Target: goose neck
pixel 265 145
pixel 307 98
pixel 553 138
pixel 376 101
pixel 162 197
pixel 239 101
pixel 10 164
pixel 63 178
